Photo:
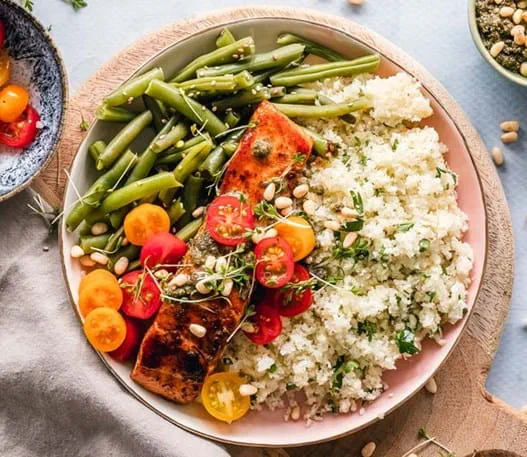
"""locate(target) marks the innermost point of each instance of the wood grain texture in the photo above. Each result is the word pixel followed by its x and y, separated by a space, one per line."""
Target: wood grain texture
pixel 462 413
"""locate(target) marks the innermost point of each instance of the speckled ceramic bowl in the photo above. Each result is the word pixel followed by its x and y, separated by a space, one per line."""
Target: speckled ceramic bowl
pixel 36 65
pixel 476 37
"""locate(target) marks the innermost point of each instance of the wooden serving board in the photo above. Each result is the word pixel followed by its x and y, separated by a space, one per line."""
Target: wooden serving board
pixel 463 415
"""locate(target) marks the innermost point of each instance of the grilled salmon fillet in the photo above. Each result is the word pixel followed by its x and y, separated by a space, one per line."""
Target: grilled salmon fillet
pixel 172 361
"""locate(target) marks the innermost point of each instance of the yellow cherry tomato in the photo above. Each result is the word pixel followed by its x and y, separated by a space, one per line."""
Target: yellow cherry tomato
pixel 13 101
pixel 105 329
pixel 144 221
pixel 5 67
pixel 221 397
pixel 299 234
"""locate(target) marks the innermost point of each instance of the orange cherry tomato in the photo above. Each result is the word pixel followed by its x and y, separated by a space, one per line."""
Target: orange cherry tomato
pixel 299 235
pixel 105 329
pixel 99 273
pixel 13 102
pixel 100 293
pixel 5 67
pixel 221 397
pixel 144 221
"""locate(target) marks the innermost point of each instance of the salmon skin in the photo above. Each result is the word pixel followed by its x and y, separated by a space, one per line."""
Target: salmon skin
pixel 172 361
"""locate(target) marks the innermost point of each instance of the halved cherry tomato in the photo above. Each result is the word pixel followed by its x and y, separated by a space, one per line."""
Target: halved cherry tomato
pixel 144 221
pixel 99 273
pixel 23 131
pixel 290 303
pixel 2 34
pixel 129 347
pixel 5 67
pixel 100 292
pixel 13 102
pixel 162 248
pixel 228 219
pixel 141 296
pixel 105 329
pixel 221 397
pixel 267 325
pixel 274 262
pixel 299 234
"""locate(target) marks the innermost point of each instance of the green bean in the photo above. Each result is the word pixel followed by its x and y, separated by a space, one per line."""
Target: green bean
pixel 321 146
pixel 115 240
pixel 310 73
pixel 182 145
pixel 159 112
pixel 265 75
pixel 272 59
pixel 148 158
pixel 96 149
pixel 322 99
pixel 232 118
pixel 298 98
pixel 218 84
pixel 91 243
pixel 96 215
pixel 234 51
pixel 171 159
pixel 190 197
pixel 311 47
pixel 131 252
pixel 98 190
pixel 84 229
pixel 190 108
pixel 175 211
pixel 213 163
pixel 169 137
pixel 248 97
pixel 116 217
pixel 135 87
pixel 338 109
pixel 137 190
pixel 123 139
pixel 225 38
pixel 134 265
pixel 113 113
pixel 188 232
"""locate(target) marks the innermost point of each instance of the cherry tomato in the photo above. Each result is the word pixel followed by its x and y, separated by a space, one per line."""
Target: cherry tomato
pixel 274 262
pixel 162 248
pixel 129 347
pixel 141 296
pixel 299 234
pixel 13 102
pixel 266 323
pixel 2 34
pixel 22 132
pixel 221 397
pixel 99 292
pixel 228 219
pixel 105 329
pixel 144 221
pixel 289 302
pixel 5 67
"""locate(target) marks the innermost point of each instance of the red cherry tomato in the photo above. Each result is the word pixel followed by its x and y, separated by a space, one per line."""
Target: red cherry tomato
pixel 228 219
pixel 128 349
pixel 274 262
pixel 162 249
pixel 22 132
pixel 141 296
pixel 2 34
pixel 290 302
pixel 267 325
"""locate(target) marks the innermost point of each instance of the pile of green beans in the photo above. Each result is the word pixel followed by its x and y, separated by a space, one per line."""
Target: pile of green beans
pixel 192 122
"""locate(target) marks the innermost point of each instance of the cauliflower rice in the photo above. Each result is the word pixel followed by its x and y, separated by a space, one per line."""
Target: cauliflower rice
pixel 410 278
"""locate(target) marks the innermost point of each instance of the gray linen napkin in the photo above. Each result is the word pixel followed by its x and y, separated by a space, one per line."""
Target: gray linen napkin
pixel 56 397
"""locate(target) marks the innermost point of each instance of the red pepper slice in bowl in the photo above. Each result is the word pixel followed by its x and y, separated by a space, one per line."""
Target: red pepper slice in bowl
pixel 22 132
pixel 141 296
pixel 274 262
pixel 267 325
pixel 291 301
pixel 228 220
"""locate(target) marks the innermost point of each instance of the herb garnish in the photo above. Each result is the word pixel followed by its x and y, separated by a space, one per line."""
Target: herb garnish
pixel 441 171
pixel 353 226
pixel 357 201
pixel 299 158
pixel 84 125
pixel 368 328
pixel 341 368
pixel 406 342
pixel 424 245
pixel 405 227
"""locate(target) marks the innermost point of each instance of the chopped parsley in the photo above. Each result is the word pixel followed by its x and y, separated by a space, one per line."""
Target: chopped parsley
pixel 290 386
pixel 299 158
pixel 406 342
pixel 395 145
pixel 424 245
pixel 341 368
pixel 368 328
pixel 353 226
pixel 357 201
pixel 76 4
pixel 441 171
pixel 272 368
pixel 405 227
pixel 84 125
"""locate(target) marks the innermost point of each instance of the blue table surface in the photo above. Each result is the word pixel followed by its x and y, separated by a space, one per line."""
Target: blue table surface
pixel 435 33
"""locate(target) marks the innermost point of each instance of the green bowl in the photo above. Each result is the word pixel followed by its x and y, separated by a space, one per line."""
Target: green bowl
pixel 512 76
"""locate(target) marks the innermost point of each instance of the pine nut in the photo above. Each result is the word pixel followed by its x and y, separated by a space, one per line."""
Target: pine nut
pixel 210 261
pixel 202 288
pixel 227 287
pixel 506 11
pixel 497 156
pixel 295 413
pixel 524 14
pixel 356 2
pixel 413 455
pixel 522 4
pixel 517 16
pixel 496 48
pixel 246 390
pixel 197 330
pixel 509 137
pixel 523 69
pixel 76 251
pixel 86 261
pixel 198 212
pixel 431 386
pixel 221 265
pixel 125 242
pixel 517 29
pixel 283 202
pixel 498 2
pixel 99 258
pixel 349 239
pixel 121 266
pixel 368 450
pixel 269 191
pixel 179 280
pixel 300 191
pixel 286 211
pixel 257 236
pixel 349 213
pixel 271 233
pixel 332 225
pixel 99 228
pixel 441 342
pixel 309 207
pixel 510 126
pixel 519 38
